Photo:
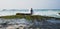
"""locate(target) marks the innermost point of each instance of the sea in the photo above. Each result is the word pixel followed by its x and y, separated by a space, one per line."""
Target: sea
pixel 43 12
pixel 47 24
pixel 44 24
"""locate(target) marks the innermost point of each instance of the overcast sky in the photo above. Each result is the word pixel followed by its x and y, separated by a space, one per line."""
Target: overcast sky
pixel 45 4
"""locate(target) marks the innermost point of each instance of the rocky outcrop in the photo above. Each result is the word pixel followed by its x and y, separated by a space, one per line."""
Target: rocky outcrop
pixel 26 13
pixel 22 14
pixel 59 13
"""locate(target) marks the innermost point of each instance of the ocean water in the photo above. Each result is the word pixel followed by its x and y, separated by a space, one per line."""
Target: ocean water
pixel 14 21
pixel 43 12
pixel 51 24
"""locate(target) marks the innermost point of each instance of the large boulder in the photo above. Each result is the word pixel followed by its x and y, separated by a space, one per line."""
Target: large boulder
pixel 59 13
pixel 19 13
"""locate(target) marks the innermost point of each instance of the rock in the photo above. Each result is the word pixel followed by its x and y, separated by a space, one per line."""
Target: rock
pixel 59 13
pixel 10 27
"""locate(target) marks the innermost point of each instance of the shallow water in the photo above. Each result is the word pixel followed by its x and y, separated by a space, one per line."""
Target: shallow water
pixel 50 24
pixel 15 21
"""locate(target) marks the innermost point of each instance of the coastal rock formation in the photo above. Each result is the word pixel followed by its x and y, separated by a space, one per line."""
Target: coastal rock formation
pixel 26 13
pixel 59 13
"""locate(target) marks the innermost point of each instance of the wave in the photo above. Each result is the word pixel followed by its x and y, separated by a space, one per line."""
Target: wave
pixel 43 12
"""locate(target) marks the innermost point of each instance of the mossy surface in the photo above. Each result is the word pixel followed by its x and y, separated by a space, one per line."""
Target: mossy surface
pixel 29 17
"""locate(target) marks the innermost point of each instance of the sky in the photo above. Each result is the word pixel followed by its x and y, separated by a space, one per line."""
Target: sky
pixel 20 4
